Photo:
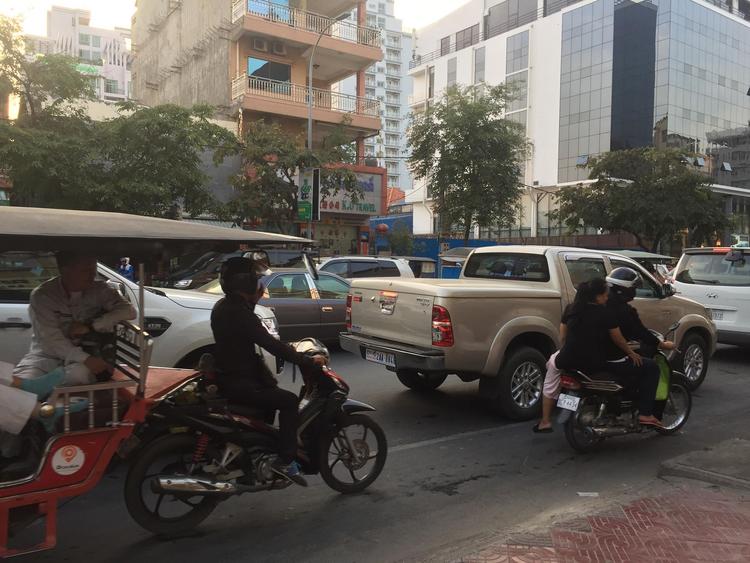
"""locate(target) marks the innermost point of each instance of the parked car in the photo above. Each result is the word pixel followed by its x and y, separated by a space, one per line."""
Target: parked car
pixel 500 322
pixel 719 279
pixel 350 267
pixel 303 307
pixel 421 266
pixel 178 320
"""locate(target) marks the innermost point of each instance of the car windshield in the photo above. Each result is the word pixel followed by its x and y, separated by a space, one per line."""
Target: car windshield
pixel 714 269
pixel 505 265
pixel 22 272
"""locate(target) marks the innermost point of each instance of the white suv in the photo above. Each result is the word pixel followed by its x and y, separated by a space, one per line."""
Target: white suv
pixel 179 320
pixel 350 267
pixel 719 279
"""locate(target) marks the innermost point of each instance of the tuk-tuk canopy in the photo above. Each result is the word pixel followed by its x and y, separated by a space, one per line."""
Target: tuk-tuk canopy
pixel 30 228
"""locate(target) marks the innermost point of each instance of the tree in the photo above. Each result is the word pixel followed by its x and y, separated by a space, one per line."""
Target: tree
pixel 647 192
pixel 470 157
pixel 267 191
pixel 401 240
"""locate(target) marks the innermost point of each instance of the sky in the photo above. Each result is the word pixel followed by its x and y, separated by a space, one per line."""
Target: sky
pixel 111 13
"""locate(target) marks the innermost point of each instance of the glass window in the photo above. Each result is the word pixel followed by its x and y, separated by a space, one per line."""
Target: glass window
pixel 96 41
pixel 331 288
pixel 714 270
pixel 388 269
pixel 585 269
pixel 288 286
pixel 431 83
pixel 23 272
pixel 479 65
pixel 445 45
pixel 451 71
pixel 84 39
pixel 649 290
pixel 496 265
pixel 364 268
pixel 261 68
pixel 467 37
pixel 340 268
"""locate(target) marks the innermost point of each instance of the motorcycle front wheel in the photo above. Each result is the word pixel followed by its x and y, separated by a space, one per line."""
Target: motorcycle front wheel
pixel 677 409
pixel 353 455
pixel 161 514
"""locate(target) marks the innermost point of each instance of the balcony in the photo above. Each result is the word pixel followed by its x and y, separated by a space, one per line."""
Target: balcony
pixel 343 45
pixel 285 99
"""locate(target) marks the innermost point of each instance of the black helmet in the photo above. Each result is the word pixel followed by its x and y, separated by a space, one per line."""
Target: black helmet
pixel 624 281
pixel 238 274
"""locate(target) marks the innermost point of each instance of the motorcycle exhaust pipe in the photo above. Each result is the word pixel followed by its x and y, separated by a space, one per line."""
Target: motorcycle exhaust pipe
pixel 606 432
pixel 174 485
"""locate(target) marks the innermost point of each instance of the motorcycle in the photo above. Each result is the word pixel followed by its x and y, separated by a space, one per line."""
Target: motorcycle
pixel 596 407
pixel 201 449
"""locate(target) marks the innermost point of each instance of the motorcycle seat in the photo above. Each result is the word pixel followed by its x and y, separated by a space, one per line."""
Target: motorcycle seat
pixel 249 412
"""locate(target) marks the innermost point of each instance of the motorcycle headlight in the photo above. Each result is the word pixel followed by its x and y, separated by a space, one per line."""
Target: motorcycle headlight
pixel 182 284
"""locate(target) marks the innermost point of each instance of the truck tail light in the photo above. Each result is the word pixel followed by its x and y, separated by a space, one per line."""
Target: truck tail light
pixel 349 312
pixel 442 327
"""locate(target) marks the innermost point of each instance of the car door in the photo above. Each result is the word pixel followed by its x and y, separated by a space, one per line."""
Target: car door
pixel 332 292
pixel 20 274
pixel 655 312
pixel 289 296
pixel 582 267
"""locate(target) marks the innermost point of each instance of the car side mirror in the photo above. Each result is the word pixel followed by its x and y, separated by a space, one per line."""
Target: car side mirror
pixel 119 287
pixel 667 290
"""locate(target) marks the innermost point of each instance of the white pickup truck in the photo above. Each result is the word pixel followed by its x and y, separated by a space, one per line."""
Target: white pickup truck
pixel 500 321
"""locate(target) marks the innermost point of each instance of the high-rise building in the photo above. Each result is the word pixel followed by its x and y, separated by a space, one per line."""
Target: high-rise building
pixel 595 76
pixel 103 54
pixel 250 59
pixel 390 83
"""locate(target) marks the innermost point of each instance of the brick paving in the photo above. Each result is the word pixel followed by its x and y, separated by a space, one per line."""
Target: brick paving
pixel 680 527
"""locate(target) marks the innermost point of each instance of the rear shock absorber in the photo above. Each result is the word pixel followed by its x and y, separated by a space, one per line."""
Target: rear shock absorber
pixel 201 445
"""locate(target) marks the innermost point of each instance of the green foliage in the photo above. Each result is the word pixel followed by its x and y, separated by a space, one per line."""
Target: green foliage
pixel 267 190
pixel 470 156
pixel 647 192
pixel 401 240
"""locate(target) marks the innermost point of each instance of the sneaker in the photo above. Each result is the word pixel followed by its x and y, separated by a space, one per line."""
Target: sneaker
pixel 289 471
pixel 77 404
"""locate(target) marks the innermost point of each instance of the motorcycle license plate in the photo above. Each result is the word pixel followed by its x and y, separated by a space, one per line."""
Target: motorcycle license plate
pixel 568 402
pixel 378 357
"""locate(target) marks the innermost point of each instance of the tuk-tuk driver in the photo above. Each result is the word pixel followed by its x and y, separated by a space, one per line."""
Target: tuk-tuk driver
pixel 65 309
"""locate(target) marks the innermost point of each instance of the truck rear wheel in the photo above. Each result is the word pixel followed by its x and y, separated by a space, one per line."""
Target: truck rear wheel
pixel 419 380
pixel 516 392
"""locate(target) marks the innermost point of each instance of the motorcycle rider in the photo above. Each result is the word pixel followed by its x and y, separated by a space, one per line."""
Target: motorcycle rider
pixel 243 375
pixel 633 369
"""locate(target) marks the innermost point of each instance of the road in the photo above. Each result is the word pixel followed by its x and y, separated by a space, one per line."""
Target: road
pixel 456 476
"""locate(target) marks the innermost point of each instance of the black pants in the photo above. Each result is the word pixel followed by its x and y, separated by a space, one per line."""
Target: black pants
pixel 644 378
pixel 245 392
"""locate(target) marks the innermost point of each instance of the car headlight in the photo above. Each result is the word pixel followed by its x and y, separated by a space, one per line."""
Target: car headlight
pixel 181 284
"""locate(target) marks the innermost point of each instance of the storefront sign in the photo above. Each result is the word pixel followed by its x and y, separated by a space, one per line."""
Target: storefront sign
pixel 368 202
pixel 308 196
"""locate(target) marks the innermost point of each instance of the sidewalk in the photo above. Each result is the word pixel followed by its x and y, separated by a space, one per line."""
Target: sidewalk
pixel 680 519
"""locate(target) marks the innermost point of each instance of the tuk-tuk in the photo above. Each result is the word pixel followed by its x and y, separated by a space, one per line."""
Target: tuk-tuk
pixel 75 457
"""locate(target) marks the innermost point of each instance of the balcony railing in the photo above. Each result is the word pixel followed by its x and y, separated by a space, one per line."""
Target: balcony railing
pixel 296 94
pixel 307 21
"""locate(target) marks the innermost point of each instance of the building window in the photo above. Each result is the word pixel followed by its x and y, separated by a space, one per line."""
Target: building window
pixel 467 37
pixel 96 41
pixel 260 68
pixel 431 83
pixel 479 65
pixel 513 13
pixel 451 71
pixel 392 181
pixel 518 83
pixel 84 39
pixel 112 87
pixel 381 23
pixel 445 45
pixel 381 8
pixel 393 70
pixel 517 53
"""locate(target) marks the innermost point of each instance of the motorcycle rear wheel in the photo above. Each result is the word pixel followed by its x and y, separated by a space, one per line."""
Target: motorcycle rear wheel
pixel 334 453
pixel 580 438
pixel 677 409
pixel 178 448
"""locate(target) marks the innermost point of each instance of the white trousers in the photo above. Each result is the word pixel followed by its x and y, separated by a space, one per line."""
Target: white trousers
pixel 32 366
pixel 16 405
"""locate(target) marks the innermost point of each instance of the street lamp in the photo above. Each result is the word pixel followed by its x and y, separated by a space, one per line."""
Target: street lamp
pixel 342 17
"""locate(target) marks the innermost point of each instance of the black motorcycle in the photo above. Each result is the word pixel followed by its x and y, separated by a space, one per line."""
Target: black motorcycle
pixel 597 406
pixel 201 449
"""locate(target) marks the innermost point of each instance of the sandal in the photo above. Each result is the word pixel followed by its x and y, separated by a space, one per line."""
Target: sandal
pixel 538 430
pixel 654 423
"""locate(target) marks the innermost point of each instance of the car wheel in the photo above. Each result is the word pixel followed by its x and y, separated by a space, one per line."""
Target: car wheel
pixel 516 392
pixel 420 381
pixel 694 360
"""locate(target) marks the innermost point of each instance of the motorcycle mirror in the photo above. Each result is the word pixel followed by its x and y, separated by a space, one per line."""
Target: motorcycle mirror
pixel 310 266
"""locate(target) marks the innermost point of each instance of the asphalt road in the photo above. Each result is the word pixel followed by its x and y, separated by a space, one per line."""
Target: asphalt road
pixel 456 475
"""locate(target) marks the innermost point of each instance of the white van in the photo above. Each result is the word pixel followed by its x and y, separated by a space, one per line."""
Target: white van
pixel 719 279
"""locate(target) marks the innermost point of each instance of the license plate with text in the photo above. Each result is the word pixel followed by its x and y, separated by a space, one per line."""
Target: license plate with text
pixel 717 315
pixel 568 402
pixel 378 357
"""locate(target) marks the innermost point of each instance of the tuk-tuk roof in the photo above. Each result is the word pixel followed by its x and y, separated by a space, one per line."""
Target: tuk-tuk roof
pixel 30 228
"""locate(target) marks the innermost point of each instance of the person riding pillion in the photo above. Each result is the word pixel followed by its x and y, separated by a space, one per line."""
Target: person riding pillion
pixel 242 373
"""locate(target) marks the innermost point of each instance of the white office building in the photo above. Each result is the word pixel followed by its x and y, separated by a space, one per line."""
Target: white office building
pixel 389 82
pixel 103 54
pixel 596 76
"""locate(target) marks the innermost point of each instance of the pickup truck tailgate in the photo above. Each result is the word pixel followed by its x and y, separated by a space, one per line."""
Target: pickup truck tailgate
pixel 390 311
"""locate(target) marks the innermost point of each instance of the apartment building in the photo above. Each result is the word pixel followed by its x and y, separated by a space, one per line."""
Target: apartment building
pixel 250 60
pixel 103 54
pixel 596 76
pixel 389 82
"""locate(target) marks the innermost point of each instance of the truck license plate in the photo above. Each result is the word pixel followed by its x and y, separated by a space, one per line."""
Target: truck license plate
pixel 568 402
pixel 717 315
pixel 378 357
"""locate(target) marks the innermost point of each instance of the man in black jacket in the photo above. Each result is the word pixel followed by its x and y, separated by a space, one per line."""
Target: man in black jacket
pixel 244 377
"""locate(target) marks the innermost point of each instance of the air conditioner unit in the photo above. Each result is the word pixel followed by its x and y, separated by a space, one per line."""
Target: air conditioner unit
pixel 279 48
pixel 260 44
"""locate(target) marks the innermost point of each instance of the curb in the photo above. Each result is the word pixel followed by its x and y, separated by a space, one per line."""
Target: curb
pixel 675 469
